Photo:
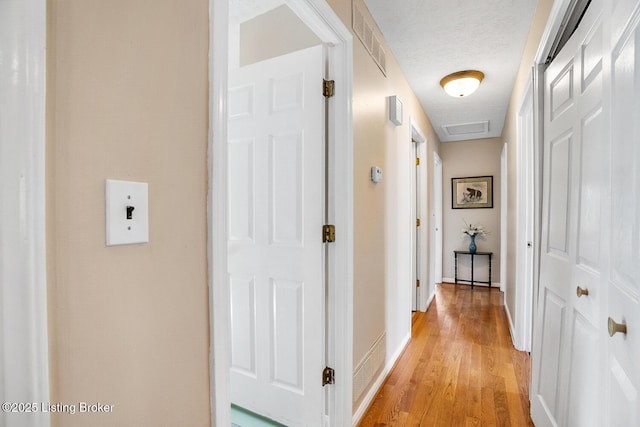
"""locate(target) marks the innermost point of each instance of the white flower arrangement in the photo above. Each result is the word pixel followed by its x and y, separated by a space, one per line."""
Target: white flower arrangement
pixel 474 230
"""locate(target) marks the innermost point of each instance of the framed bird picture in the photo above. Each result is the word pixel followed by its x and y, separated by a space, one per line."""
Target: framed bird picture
pixel 472 192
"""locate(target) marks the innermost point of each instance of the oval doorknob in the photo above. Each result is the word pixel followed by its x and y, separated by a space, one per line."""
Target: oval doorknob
pixel 614 327
pixel 580 291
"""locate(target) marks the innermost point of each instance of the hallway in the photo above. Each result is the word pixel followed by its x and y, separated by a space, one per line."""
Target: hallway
pixel 459 369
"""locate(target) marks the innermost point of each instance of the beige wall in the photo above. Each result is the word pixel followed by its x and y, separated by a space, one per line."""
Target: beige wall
pixel 479 157
pixel 382 272
pixel 272 34
pixel 128 99
pixel 510 137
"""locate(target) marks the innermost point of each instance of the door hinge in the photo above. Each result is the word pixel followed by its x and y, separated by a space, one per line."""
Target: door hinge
pixel 417 222
pixel 417 161
pixel 328 376
pixel 417 283
pixel 328 233
pixel 328 88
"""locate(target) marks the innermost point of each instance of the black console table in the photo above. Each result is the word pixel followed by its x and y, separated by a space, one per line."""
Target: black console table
pixel 473 255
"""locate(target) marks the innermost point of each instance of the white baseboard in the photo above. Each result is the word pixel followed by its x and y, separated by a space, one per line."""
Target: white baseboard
pixel 451 280
pixel 430 300
pixel 511 327
pixel 379 380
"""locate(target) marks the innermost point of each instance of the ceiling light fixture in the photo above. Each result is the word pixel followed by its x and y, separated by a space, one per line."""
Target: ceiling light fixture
pixel 462 83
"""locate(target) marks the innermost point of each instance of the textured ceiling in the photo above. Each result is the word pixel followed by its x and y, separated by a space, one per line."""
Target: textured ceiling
pixel 433 38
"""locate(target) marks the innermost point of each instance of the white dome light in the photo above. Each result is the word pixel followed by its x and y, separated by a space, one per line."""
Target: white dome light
pixel 462 83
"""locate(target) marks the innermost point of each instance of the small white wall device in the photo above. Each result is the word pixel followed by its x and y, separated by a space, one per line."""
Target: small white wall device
pixel 376 174
pixel 127 206
pixel 395 110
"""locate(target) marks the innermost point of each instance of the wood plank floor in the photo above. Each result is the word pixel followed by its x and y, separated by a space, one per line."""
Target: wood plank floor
pixel 459 369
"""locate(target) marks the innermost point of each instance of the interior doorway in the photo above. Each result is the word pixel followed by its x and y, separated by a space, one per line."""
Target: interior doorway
pixel 418 163
pixel 320 20
pixel 526 240
pixel 504 194
pixel 437 222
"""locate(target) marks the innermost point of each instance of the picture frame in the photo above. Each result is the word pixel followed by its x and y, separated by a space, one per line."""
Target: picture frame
pixel 475 192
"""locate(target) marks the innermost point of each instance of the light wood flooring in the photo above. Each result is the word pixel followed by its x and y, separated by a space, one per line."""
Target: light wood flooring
pixel 459 369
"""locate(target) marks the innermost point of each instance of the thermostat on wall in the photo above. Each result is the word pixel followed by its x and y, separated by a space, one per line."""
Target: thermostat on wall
pixel 376 174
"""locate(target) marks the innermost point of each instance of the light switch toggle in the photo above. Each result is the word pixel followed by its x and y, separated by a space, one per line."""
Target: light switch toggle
pixel 123 198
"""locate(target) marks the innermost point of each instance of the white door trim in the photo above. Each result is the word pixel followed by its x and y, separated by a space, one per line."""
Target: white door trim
pixel 525 239
pixel 24 348
pixel 551 30
pixel 319 16
pixel 418 185
pixel 504 195
pixel 552 27
pixel 437 242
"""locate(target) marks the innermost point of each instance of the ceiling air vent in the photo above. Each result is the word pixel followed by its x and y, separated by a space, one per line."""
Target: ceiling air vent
pixel 476 129
pixel 365 28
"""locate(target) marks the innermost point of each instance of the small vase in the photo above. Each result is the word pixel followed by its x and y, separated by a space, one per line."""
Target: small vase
pixel 472 244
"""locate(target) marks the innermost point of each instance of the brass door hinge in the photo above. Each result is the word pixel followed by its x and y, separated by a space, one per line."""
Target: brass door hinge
pixel 328 376
pixel 417 283
pixel 328 233
pixel 417 161
pixel 417 222
pixel 328 88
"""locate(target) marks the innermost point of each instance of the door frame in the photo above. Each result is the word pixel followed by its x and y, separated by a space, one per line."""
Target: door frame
pixel 552 27
pixel 417 186
pixel 320 18
pixel 504 217
pixel 526 239
pixel 437 240
pixel 23 287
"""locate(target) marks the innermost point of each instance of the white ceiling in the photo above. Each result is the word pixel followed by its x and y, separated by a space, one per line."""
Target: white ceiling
pixel 433 38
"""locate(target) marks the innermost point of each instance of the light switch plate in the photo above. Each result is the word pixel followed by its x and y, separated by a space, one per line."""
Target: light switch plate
pixel 120 198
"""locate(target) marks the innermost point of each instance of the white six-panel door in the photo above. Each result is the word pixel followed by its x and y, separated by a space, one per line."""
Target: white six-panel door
pixel 575 174
pixel 275 249
pixel 623 211
pixel 590 257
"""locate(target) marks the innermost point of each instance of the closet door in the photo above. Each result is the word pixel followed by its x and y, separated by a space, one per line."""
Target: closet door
pixel 568 339
pixel 623 282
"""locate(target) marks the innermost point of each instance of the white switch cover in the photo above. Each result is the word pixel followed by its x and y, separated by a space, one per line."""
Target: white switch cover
pixel 127 206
